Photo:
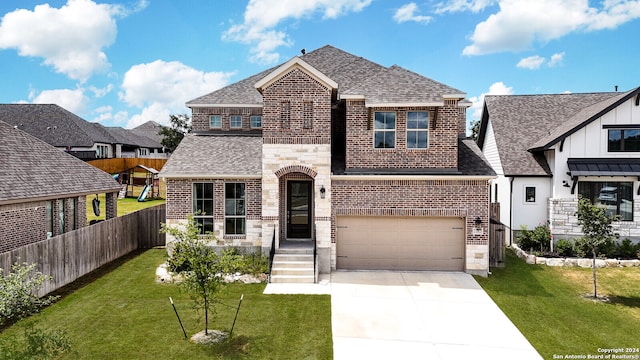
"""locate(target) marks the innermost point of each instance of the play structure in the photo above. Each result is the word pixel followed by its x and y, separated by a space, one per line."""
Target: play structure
pixel 141 177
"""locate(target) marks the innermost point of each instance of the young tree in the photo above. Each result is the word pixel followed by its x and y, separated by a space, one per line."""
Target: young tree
pixel 475 129
pixel 172 135
pixel 18 298
pixel 199 265
pixel 597 230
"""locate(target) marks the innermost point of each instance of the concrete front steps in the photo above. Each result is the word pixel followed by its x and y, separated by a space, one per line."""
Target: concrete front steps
pixel 293 266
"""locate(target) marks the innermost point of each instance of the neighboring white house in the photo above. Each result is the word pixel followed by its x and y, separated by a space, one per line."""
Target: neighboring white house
pixel 549 149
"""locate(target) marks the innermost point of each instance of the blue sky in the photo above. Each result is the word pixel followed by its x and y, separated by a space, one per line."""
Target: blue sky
pixel 122 63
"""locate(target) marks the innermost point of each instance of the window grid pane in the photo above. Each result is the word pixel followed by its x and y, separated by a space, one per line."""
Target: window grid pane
pixel 235 210
pixel 384 135
pixel 256 122
pixel 235 122
pixel 215 121
pixel 203 206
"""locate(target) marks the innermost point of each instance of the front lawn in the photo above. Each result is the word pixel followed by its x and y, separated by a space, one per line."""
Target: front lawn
pixel 120 312
pixel 547 305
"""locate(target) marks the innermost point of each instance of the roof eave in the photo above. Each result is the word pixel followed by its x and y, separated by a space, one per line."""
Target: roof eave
pixel 233 105
pixel 170 175
pixel 403 104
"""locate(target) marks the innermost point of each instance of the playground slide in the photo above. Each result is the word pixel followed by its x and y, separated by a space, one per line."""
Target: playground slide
pixel 144 193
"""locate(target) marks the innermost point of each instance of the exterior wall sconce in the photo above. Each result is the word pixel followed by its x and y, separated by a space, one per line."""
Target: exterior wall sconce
pixel 323 191
pixel 477 221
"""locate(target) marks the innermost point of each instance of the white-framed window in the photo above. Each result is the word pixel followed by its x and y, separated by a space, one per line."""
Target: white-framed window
pixel 256 122
pixel 384 130
pixel 215 121
pixel 417 129
pixel 529 194
pixel 235 122
pixel 203 206
pixel 234 208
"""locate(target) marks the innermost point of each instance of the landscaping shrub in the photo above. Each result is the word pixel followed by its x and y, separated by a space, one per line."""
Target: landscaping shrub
pixel 18 289
pixel 534 240
pixel 233 260
pixel 626 249
pixel 35 344
pixel 564 248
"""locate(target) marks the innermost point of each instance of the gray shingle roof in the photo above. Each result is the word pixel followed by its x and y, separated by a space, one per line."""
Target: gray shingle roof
pixel 150 129
pixel 215 156
pixel 520 121
pixel 33 169
pixel 354 75
pixel 471 161
pixel 53 125
pixel 128 137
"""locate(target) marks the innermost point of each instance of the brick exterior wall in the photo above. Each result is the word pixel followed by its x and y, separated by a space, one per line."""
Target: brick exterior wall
pixel 200 117
pixel 298 89
pixel 429 198
pixel 180 205
pixel 25 223
pixel 442 151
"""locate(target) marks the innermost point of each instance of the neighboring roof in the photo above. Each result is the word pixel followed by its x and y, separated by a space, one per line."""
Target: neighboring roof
pixel 128 137
pixel 604 167
pixel 355 76
pixel 150 129
pixel 519 122
pixel 582 118
pixel 62 128
pixel 53 125
pixel 32 169
pixel 215 156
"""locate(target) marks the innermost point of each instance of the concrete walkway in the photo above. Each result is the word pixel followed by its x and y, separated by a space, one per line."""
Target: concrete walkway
pixel 419 315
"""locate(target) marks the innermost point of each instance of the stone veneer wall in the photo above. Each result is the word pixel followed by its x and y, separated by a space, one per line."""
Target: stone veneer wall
pixel 442 151
pixel 430 198
pixel 564 222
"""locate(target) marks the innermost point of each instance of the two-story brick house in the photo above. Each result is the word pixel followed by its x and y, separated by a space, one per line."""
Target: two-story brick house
pixel 367 164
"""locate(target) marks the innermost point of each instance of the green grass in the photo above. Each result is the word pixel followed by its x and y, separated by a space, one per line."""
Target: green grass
pixel 548 306
pixel 125 206
pixel 120 312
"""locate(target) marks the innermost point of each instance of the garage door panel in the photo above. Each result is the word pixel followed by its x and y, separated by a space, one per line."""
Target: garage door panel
pixel 394 243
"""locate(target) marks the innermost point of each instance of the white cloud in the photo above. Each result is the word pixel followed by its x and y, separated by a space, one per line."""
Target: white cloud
pixel 72 100
pixel 556 59
pixel 463 5
pixel 71 38
pixel 519 24
pixel 261 17
pixel 162 88
pixel 408 13
pixel 535 62
pixel 531 62
pixel 497 88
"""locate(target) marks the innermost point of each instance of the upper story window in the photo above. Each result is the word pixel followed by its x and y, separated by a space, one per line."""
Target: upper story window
pixel 384 130
pixel 417 130
pixel 235 122
pixel 624 140
pixel 234 209
pixel 617 197
pixel 256 122
pixel 215 121
pixel 203 206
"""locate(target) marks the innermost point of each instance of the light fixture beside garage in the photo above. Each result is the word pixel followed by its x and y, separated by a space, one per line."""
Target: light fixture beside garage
pixel 323 191
pixel 477 221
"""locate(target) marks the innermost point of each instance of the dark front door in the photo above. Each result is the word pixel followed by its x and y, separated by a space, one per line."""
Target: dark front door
pixel 299 209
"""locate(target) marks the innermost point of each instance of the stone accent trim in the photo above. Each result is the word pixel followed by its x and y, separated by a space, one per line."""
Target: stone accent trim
pixel 296 169
pixel 295 140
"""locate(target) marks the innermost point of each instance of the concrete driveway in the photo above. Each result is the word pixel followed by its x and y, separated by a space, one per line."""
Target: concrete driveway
pixel 419 315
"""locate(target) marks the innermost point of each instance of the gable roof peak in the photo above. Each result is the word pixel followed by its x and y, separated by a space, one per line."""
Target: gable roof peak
pixel 295 63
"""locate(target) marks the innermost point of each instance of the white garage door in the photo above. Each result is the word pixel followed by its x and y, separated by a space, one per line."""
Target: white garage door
pixel 400 243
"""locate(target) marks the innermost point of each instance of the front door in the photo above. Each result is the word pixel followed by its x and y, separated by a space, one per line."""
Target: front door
pixel 299 209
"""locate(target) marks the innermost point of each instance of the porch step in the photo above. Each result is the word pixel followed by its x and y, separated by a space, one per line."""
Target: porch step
pixel 292 268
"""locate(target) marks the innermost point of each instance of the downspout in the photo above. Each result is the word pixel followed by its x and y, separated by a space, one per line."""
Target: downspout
pixel 511 211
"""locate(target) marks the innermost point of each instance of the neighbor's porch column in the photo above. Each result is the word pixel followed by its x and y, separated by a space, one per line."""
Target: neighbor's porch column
pixel 111 200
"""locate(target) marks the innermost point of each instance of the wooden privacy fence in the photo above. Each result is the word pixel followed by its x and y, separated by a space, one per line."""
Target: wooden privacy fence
pixel 69 256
